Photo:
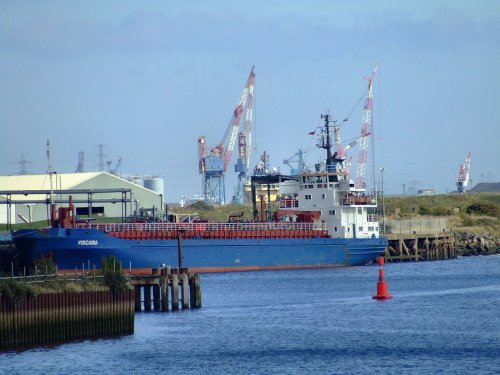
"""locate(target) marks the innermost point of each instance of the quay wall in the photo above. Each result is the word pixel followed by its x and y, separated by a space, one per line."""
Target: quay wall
pixel 53 318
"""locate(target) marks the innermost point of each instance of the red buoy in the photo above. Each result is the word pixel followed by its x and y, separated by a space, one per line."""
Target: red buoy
pixel 382 289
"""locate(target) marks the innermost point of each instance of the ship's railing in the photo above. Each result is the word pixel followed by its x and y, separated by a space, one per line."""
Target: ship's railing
pixel 354 200
pixel 289 203
pixel 177 227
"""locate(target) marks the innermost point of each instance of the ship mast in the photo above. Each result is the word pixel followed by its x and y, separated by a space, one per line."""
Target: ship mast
pixel 51 172
pixel 327 144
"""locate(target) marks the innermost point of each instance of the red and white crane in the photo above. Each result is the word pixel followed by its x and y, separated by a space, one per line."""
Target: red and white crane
pixel 214 166
pixel 245 143
pixel 366 131
pixel 464 175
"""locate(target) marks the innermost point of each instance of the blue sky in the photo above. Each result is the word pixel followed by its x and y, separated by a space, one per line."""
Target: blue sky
pixel 147 78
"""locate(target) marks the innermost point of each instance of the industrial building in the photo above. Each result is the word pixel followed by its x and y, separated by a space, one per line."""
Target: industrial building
pixel 25 198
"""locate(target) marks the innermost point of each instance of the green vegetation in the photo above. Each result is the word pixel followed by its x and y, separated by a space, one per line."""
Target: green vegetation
pixel 43 279
pixel 466 212
pixel 483 208
pixel 45 266
pixel 439 204
pixel 114 279
pixel 16 291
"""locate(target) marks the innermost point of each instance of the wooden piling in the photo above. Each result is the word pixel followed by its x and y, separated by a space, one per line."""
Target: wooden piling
pixel 137 298
pixel 164 291
pixel 197 281
pixel 425 247
pixel 175 292
pixel 189 296
pixel 192 291
pixel 147 297
pixel 156 297
pixel 185 290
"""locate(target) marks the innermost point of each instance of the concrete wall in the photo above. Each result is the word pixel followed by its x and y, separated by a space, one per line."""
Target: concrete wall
pixel 427 225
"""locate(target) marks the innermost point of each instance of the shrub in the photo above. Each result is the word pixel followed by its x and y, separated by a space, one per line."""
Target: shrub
pixel 114 279
pixel 45 266
pixel 424 210
pixel 480 208
pixel 111 263
pixel 201 205
pixel 466 220
pixel 15 291
pixel 440 211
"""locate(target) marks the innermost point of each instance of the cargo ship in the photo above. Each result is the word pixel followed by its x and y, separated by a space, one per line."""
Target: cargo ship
pixel 323 220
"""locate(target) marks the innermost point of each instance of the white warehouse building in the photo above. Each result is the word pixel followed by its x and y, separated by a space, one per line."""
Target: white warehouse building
pixel 24 198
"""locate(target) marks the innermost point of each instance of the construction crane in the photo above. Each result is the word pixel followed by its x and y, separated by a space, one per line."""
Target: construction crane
pixel 244 144
pixel 299 160
pixel 366 131
pixel 463 175
pixel 81 160
pixel 213 167
pixel 117 167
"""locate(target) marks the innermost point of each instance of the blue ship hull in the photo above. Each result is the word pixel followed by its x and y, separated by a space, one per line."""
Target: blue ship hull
pixel 71 248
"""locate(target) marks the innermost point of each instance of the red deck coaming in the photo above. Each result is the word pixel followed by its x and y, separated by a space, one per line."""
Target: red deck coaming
pixel 237 234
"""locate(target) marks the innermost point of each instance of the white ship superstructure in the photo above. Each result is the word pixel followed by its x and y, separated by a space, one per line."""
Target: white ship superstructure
pixel 331 197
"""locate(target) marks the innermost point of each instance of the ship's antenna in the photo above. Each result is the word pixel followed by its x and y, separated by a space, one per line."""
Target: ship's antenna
pixel 50 172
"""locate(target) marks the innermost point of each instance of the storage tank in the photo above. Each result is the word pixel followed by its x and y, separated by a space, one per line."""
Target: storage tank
pixel 138 181
pixel 155 184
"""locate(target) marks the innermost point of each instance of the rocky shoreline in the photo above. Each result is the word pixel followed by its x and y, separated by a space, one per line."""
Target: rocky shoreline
pixel 470 243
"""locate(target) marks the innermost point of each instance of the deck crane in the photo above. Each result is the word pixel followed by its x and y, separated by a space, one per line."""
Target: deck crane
pixel 213 167
pixel 464 175
pixel 244 143
pixel 262 167
pixel 300 163
pixel 366 131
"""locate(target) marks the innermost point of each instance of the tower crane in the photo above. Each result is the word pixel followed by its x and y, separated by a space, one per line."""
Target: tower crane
pixel 366 131
pixel 213 166
pixel 244 143
pixel 117 167
pixel 81 159
pixel 463 175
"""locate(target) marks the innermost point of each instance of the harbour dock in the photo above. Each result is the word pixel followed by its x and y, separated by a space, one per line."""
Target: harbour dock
pixel 418 247
pixel 165 289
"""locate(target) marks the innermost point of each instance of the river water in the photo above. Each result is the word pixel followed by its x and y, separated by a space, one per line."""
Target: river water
pixel 444 319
